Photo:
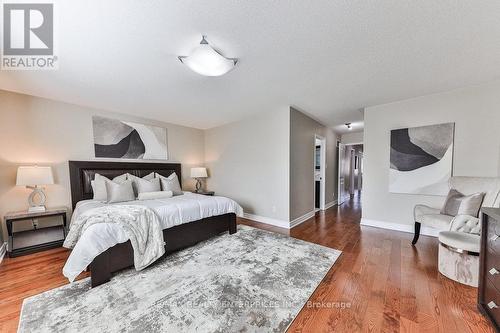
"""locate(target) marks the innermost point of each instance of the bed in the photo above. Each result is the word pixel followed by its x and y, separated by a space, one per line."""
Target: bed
pixel 120 256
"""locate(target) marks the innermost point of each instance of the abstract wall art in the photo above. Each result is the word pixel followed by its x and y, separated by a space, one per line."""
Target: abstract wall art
pixel 121 139
pixel 421 159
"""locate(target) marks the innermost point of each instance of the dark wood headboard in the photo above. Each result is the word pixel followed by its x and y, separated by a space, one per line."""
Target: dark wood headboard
pixel 81 173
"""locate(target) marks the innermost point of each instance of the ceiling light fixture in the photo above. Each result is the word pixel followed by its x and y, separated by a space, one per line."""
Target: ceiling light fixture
pixel 205 60
pixel 349 127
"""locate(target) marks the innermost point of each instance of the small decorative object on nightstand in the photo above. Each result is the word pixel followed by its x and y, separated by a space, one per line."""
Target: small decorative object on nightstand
pixel 35 239
pixel 32 177
pixel 198 174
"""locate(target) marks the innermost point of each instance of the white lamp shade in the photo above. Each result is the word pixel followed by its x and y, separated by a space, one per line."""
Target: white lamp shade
pixel 199 173
pixel 34 175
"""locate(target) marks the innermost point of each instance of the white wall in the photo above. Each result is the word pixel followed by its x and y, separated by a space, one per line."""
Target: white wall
pixel 257 160
pixel 302 142
pixel 35 130
pixel 352 138
pixel 248 161
pixel 475 112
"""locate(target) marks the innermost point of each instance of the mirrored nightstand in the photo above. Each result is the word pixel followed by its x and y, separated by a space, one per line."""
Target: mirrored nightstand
pixel 37 239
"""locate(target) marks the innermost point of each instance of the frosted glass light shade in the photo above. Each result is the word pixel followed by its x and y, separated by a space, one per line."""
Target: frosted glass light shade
pixel 34 175
pixel 206 61
pixel 199 173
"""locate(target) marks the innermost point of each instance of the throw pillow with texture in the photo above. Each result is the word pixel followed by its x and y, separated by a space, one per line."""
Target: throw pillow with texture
pixel 170 183
pixel 147 183
pixel 471 204
pixel 457 203
pixel 99 185
pixel 120 192
pixel 142 185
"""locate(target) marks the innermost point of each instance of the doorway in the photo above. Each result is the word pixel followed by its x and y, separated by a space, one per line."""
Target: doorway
pixel 356 170
pixel 344 161
pixel 319 172
pixel 350 176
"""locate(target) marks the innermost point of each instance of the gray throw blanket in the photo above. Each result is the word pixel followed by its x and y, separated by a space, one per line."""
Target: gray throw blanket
pixel 141 225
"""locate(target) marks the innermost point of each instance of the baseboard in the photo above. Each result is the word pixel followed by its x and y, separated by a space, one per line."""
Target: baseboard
pixel 331 204
pixel 301 219
pixel 285 224
pixel 267 220
pixel 3 250
pixel 424 230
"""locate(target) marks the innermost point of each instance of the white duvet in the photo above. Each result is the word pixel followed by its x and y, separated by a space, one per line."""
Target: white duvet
pixel 172 211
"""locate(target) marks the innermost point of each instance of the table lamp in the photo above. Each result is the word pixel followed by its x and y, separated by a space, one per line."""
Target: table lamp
pixel 198 173
pixel 32 177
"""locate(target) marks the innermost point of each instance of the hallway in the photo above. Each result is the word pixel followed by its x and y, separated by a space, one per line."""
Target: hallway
pixel 390 285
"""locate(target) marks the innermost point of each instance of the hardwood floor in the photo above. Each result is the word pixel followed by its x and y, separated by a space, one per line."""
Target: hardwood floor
pixel 390 285
pixel 26 276
pixel 380 283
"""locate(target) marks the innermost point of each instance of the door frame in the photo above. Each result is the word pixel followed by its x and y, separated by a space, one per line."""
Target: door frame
pixel 322 170
pixel 340 160
pixel 352 172
pixel 360 172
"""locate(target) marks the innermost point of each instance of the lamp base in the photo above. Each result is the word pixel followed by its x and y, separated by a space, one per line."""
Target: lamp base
pixel 198 185
pixel 36 209
pixel 36 206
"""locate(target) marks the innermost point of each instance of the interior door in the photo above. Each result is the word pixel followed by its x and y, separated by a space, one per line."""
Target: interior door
pixel 341 176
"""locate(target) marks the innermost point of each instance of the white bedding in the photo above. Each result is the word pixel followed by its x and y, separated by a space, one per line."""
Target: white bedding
pixel 171 211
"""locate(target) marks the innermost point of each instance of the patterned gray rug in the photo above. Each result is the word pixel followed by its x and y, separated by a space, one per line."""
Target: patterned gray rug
pixel 251 281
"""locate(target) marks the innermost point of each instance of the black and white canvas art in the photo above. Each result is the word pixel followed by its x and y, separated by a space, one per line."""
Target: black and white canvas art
pixel 421 159
pixel 121 139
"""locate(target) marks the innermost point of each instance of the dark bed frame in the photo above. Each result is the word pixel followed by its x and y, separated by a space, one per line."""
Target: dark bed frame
pixel 121 255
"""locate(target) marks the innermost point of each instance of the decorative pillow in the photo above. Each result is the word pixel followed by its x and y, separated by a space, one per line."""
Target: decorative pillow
pixel 118 179
pixel 120 192
pixel 452 203
pixel 99 185
pixel 142 185
pixel 459 204
pixel 149 177
pixel 155 195
pixel 145 184
pixel 471 204
pixel 170 183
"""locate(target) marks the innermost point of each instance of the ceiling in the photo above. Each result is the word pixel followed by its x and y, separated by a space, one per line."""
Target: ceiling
pixel 328 58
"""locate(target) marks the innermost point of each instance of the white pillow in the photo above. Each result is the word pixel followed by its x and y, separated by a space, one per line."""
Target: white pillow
pixel 149 177
pixel 142 185
pixel 147 183
pixel 460 204
pixel 170 183
pixel 99 185
pixel 155 195
pixel 119 192
pixel 118 179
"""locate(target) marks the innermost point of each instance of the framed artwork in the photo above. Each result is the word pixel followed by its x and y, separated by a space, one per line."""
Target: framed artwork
pixel 421 159
pixel 128 140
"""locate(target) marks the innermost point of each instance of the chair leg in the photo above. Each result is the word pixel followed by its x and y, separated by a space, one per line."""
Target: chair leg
pixel 417 233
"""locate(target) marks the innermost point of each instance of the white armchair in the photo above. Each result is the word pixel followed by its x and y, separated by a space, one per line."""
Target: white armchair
pixel 432 217
pixel 458 254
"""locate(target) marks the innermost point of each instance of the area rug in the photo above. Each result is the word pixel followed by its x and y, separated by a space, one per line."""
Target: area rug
pixel 251 281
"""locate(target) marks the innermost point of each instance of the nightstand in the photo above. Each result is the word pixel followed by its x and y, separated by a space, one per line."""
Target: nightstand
pixel 36 239
pixel 210 193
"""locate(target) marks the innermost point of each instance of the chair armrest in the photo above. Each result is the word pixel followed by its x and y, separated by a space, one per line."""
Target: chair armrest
pixel 466 223
pixel 421 210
